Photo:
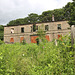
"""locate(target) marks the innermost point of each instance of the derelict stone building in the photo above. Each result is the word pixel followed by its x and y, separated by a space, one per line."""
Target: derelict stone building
pixel 18 33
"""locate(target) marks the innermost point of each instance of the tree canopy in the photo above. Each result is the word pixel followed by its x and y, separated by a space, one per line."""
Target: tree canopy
pixel 1 32
pixel 72 14
pixel 65 13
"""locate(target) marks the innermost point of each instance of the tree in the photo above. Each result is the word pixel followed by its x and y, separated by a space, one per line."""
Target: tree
pixel 1 32
pixel 73 0
pixel 58 14
pixel 26 20
pixel 72 14
pixel 11 23
pixel 33 18
pixel 72 19
pixel 68 10
pixel 16 22
pixel 46 16
pixel 65 13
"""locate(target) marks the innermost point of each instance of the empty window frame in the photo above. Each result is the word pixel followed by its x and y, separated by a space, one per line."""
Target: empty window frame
pixel 12 30
pixel 46 27
pixel 22 30
pixel 34 27
pixel 58 26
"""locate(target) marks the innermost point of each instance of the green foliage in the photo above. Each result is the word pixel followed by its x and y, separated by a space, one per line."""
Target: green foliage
pixel 1 28
pixel 34 27
pixel 47 15
pixel 41 33
pixel 65 13
pixel 70 12
pixel 42 59
pixel 37 40
pixel 1 42
pixel 23 42
pixel 32 18
pixel 72 18
pixel 1 32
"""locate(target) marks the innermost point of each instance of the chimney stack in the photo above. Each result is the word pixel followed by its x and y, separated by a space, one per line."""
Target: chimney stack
pixel 52 17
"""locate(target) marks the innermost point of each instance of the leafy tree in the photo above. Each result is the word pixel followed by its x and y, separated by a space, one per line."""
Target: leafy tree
pixel 72 17
pixel 19 21
pixel 26 20
pixel 11 23
pixel 33 18
pixel 1 32
pixel 46 16
pixel 58 14
pixel 68 10
pixel 65 13
pixel 73 0
pixel 16 22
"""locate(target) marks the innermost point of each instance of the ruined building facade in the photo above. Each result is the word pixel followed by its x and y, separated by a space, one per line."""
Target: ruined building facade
pixel 54 30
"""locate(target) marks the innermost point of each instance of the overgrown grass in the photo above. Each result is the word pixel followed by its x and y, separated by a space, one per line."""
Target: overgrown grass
pixel 33 59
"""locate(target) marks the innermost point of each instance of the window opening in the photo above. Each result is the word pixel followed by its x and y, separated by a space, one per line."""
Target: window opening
pixel 59 26
pixel 46 27
pixel 12 30
pixel 22 30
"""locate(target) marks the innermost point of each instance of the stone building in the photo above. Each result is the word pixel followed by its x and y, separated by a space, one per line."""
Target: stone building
pixel 54 30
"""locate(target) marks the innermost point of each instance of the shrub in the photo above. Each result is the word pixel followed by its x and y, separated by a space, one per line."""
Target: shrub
pixel 42 59
pixel 23 42
pixel 1 42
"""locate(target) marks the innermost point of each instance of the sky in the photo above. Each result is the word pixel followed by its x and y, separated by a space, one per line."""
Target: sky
pixel 15 9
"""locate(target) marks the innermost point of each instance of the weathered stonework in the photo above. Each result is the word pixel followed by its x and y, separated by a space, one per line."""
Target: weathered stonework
pixel 53 31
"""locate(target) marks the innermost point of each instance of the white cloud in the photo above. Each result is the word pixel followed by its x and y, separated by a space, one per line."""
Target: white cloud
pixel 13 9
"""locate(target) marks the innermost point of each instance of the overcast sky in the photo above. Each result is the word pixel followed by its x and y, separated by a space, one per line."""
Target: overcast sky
pixel 14 9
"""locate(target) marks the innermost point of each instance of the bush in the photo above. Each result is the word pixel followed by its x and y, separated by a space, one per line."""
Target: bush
pixel 23 42
pixel 42 59
pixel 1 42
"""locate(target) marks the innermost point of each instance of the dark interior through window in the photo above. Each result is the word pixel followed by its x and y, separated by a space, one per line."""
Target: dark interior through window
pixel 59 26
pixel 22 30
